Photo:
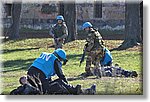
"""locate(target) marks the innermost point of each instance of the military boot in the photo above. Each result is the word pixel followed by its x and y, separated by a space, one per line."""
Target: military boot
pixel 90 91
pixel 78 89
pixel 74 90
pixel 97 73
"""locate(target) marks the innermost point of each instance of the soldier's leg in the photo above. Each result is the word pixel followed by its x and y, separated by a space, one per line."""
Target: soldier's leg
pixel 97 66
pixel 88 64
pixel 89 91
pixel 55 43
pixel 71 89
pixel 38 77
pixel 58 45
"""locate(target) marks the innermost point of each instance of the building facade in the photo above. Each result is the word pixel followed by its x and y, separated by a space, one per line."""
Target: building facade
pixel 103 15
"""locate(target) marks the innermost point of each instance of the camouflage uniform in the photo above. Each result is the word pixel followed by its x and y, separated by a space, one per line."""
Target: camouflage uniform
pixel 59 31
pixel 94 50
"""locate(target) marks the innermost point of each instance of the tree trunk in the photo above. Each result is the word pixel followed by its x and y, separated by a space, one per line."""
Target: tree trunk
pixel 71 21
pixel 141 20
pixel 13 31
pixel 61 8
pixel 132 26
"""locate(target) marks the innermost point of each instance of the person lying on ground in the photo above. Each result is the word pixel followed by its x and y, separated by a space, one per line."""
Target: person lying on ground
pixel 25 88
pixel 56 87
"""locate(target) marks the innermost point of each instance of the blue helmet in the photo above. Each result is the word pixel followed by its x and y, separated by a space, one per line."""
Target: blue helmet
pixel 60 17
pixel 86 25
pixel 61 53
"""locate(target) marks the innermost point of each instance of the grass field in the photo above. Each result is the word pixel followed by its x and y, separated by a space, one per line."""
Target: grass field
pixel 18 55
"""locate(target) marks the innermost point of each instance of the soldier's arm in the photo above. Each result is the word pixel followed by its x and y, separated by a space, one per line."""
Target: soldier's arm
pixel 90 42
pixel 58 71
pixel 100 38
pixel 65 32
pixel 19 90
pixel 51 32
pixel 99 35
pixel 30 89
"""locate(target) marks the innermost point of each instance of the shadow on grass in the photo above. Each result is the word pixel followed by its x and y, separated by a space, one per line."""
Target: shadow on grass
pixel 15 50
pixel 74 56
pixel 16 65
pixel 75 78
pixel 8 40
pixel 80 77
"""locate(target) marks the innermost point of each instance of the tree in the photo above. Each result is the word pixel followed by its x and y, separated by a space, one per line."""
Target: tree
pixel 61 8
pixel 68 10
pixel 13 31
pixel 141 19
pixel 132 26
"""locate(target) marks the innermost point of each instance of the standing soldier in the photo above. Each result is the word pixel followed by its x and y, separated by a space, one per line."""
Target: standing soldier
pixel 59 32
pixel 93 48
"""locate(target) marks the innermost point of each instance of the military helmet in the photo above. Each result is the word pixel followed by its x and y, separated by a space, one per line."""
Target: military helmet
pixel 61 53
pixel 60 17
pixel 86 25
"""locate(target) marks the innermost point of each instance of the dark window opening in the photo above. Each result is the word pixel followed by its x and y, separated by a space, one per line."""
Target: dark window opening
pixel 8 9
pixel 98 9
pixel 49 8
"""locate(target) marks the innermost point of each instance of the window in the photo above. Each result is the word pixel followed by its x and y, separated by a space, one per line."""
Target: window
pixel 98 9
pixel 49 8
pixel 8 9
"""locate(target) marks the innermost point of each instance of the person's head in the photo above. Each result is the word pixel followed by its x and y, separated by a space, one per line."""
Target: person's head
pixel 60 19
pixel 61 55
pixel 86 26
pixel 23 80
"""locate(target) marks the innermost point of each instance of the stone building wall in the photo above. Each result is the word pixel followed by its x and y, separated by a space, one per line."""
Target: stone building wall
pixel 113 15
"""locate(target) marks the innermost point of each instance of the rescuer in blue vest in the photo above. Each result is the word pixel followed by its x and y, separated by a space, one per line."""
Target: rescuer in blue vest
pixel 106 59
pixel 46 66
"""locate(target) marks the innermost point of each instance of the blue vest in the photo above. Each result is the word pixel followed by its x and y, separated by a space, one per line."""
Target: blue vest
pixel 46 64
pixel 107 57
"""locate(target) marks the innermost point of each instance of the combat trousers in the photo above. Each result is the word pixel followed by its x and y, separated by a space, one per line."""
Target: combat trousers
pixel 58 44
pixel 58 86
pixel 36 73
pixel 93 58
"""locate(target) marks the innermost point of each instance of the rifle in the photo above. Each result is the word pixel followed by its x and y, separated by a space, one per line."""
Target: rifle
pixel 82 58
pixel 56 41
pixel 83 55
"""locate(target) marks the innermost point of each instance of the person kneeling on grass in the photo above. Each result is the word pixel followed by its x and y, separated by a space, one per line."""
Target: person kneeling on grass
pixel 107 58
pixel 44 67
pixel 108 69
pixel 48 65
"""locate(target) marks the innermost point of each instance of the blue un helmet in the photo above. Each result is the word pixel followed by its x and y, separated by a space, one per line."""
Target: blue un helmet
pixel 61 54
pixel 86 25
pixel 60 17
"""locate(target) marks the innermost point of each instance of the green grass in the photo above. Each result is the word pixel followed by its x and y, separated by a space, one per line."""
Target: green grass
pixel 18 55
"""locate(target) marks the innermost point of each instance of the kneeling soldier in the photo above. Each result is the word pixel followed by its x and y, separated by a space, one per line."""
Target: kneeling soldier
pixel 94 48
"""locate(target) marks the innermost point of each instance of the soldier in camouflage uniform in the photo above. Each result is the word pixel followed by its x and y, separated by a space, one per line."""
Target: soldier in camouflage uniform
pixel 94 48
pixel 59 32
